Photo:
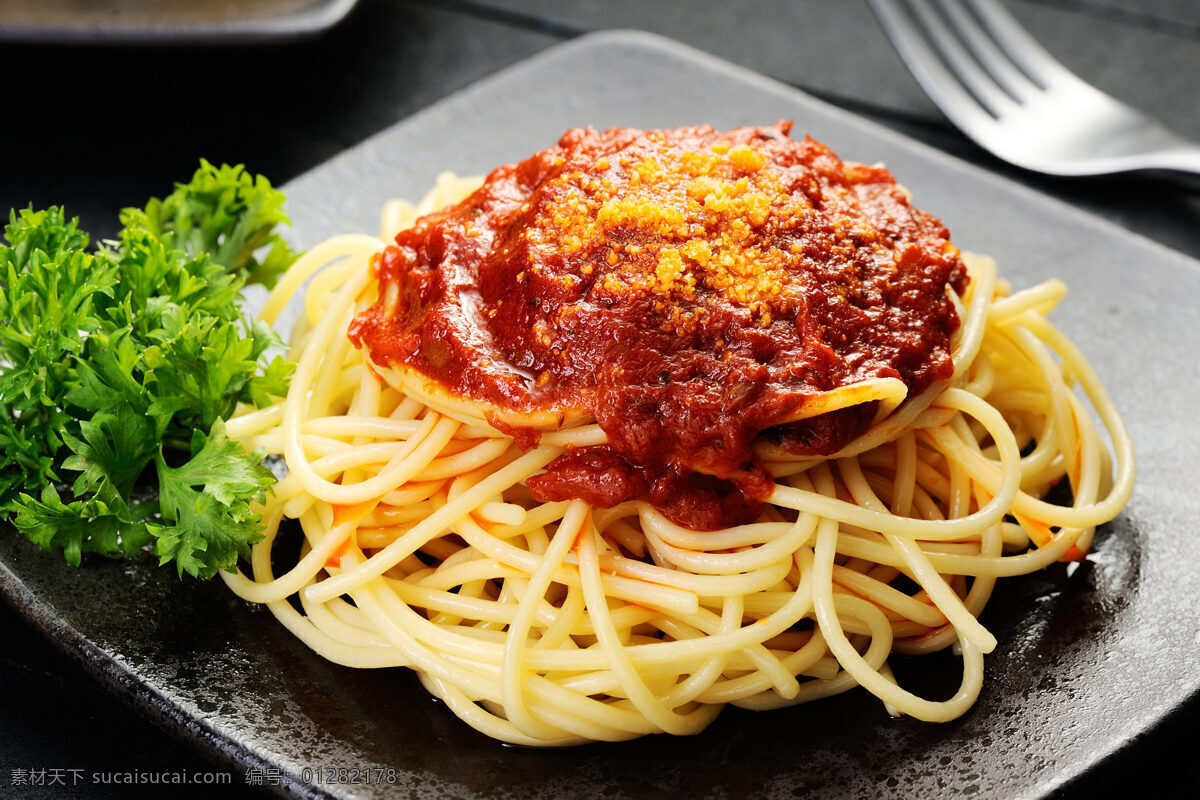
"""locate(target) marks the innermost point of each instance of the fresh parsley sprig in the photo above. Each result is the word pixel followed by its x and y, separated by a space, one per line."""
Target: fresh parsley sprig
pixel 118 366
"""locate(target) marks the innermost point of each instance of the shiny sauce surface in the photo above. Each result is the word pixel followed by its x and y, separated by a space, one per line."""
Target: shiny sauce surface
pixel 691 289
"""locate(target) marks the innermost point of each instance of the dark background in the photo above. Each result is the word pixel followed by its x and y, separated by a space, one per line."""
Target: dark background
pixel 101 126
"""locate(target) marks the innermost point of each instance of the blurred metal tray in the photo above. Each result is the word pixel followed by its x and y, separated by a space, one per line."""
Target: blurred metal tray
pixel 153 22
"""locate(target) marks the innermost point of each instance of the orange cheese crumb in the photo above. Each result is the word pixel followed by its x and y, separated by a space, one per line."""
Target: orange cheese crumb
pixel 704 218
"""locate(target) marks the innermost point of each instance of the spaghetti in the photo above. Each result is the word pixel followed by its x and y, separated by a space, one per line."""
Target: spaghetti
pixel 560 622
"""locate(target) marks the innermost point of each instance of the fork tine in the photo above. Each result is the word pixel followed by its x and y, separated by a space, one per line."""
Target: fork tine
pixel 960 61
pixel 998 63
pixel 1059 124
pixel 938 82
pixel 1043 68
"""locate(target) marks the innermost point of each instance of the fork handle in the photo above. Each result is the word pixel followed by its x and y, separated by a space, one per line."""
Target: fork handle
pixel 1178 163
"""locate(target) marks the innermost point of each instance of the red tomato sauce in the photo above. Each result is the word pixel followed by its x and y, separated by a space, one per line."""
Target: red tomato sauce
pixel 691 289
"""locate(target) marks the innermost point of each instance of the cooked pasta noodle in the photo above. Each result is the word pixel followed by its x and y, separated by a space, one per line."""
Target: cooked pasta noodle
pixel 558 623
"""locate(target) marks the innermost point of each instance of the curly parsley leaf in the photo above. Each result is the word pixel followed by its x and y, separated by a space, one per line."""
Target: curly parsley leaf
pixel 82 526
pixel 203 366
pixel 111 359
pixel 113 449
pixel 208 500
pixel 226 213
pixel 47 310
pixel 155 277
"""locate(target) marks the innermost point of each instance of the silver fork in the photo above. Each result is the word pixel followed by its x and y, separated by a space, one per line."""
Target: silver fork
pixel 1004 90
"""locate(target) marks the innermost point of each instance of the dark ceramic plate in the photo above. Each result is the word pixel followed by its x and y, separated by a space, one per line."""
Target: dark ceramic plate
pixel 1088 658
pixel 167 21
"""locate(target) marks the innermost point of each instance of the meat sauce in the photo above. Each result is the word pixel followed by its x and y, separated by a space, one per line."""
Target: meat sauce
pixel 691 289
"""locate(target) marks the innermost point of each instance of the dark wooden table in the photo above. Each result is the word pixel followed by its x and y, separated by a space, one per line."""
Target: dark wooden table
pixel 100 127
